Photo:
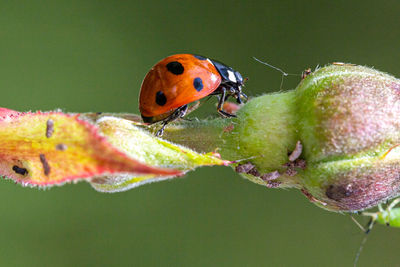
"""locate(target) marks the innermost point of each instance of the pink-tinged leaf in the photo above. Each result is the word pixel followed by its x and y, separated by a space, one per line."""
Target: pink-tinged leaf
pixel 53 148
pixel 7 114
pixel 138 143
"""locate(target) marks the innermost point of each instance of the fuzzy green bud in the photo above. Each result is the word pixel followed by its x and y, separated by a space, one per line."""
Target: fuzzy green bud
pixel 334 137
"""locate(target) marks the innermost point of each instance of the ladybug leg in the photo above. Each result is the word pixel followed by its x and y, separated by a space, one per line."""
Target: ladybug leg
pixel 182 111
pixel 190 109
pixel 239 95
pixel 221 103
pixel 178 113
pixel 161 131
pixel 238 99
pixel 231 92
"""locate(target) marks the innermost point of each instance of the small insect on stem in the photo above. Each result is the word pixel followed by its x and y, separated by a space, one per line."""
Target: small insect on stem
pixel 390 216
pixel 305 73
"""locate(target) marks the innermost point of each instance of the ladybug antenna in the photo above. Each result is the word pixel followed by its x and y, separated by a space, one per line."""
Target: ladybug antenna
pixel 271 66
pixel 284 74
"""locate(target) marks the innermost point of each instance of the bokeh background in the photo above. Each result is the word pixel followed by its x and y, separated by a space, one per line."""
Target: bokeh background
pixel 91 55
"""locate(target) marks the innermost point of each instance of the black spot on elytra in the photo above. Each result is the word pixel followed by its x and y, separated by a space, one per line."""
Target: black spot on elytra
pixel 161 99
pixel 198 84
pixel 19 170
pixel 200 57
pixel 175 67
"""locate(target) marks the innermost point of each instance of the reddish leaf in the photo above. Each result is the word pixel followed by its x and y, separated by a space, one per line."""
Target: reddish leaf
pixel 52 148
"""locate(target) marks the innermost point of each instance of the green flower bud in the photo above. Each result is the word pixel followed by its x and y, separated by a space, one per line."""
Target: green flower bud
pixel 348 120
pixel 334 137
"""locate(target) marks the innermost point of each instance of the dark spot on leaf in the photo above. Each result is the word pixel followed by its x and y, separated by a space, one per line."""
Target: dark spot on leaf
pixel 61 147
pixel 270 176
pixel 293 166
pixel 244 168
pixel 248 168
pixel 49 128
pixel 338 192
pixel 254 172
pixel 291 171
pixel 45 164
pixel 300 163
pixel 19 170
pixel 273 184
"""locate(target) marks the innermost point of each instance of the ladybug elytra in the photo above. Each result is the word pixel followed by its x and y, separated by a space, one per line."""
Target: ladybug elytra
pixel 181 79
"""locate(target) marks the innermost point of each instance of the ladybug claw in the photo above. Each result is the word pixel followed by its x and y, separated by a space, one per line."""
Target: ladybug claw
pixel 226 114
pixel 160 132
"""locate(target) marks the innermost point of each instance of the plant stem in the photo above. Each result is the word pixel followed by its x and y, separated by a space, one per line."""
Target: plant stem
pixel 264 130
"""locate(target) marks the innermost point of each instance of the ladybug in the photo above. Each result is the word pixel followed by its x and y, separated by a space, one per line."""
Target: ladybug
pixel 181 79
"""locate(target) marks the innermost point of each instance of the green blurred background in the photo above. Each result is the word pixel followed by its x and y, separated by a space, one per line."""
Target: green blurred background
pixel 85 56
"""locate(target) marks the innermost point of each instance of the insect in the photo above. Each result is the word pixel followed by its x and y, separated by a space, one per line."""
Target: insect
pixel 181 79
pixel 390 216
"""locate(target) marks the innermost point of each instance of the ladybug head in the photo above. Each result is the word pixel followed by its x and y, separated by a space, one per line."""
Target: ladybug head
pixel 239 93
pixel 239 79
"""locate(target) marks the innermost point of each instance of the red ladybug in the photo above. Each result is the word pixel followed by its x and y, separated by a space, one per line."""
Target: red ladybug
pixel 180 79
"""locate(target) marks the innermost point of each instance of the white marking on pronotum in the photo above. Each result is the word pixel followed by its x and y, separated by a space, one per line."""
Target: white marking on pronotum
pixel 232 76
